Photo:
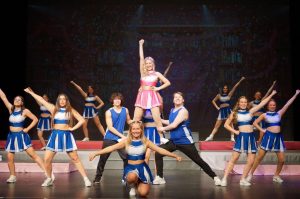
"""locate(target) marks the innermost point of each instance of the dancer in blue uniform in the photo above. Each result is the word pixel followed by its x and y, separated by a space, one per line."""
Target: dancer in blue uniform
pixel 137 173
pixel 180 139
pixel 44 123
pixel 223 108
pixel 90 109
pixel 61 138
pixel 255 102
pixel 115 118
pixel 18 139
pixel 273 138
pixel 245 140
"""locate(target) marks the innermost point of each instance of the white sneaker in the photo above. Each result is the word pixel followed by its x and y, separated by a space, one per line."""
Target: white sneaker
pixel 209 138
pixel 249 177
pixel 132 192
pixel 217 181
pixel 52 176
pixel 48 182
pixel 87 182
pixel 11 179
pixel 85 139
pixel 223 182
pixel 277 179
pixel 244 182
pixel 159 180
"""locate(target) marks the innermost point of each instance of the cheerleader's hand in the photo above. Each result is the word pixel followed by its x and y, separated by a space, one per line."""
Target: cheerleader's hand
pixel 25 130
pixel 92 156
pixel 264 130
pixel 237 132
pixel 161 129
pixel 163 140
pixel 178 158
pixel 154 88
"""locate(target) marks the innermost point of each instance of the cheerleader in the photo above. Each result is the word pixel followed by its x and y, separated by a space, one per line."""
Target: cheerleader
pixel 18 139
pixel 223 108
pixel 245 141
pixel 273 138
pixel 90 109
pixel 255 102
pixel 61 138
pixel 137 173
pixel 44 123
pixel 148 96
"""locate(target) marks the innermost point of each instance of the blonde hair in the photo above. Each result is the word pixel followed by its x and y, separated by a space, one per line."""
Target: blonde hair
pixel 129 135
pixel 153 63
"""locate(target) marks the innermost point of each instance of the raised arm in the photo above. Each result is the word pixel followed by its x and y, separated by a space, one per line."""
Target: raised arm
pixel 5 101
pixel 79 118
pixel 257 122
pixel 110 126
pixel 215 100
pixel 235 87
pixel 99 100
pixel 262 103
pixel 182 116
pixel 34 119
pixel 270 89
pixel 142 59
pixel 165 82
pixel 40 99
pixel 79 89
pixel 109 149
pixel 228 125
pixel 162 151
pixel 286 106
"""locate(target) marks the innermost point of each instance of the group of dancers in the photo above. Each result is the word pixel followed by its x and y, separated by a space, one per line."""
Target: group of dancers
pixel 146 131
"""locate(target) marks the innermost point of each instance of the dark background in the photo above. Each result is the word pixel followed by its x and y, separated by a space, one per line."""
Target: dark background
pixel 46 44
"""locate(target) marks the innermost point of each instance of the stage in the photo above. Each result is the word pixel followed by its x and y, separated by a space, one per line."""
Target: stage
pixel 185 184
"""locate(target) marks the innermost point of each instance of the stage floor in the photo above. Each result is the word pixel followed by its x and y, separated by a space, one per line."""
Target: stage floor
pixel 180 184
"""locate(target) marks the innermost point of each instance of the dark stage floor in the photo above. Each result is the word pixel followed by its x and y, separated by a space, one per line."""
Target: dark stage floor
pixel 180 184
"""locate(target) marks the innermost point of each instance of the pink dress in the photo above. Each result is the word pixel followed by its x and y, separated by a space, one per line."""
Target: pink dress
pixel 148 98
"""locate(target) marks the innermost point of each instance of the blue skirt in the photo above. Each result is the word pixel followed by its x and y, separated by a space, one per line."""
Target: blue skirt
pixel 44 124
pixel 142 170
pixel 152 134
pixel 60 140
pixel 272 142
pixel 224 113
pixel 245 143
pixel 17 142
pixel 89 112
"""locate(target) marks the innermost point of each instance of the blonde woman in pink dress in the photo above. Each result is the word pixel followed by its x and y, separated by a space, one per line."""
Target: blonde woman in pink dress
pixel 148 96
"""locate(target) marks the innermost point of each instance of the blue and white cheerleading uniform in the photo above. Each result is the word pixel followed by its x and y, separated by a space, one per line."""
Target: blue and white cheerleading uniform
pixel 182 133
pixel 90 111
pixel 136 151
pixel 245 142
pixel 224 112
pixel 272 141
pixel 150 132
pixel 44 122
pixel 17 141
pixel 61 140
